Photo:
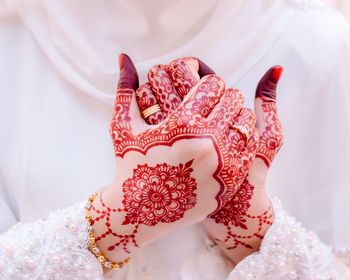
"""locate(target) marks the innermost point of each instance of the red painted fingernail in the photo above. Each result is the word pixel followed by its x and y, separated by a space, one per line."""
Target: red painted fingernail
pixel 277 72
pixel 121 61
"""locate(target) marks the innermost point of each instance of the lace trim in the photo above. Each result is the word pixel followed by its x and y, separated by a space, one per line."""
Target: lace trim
pixel 51 248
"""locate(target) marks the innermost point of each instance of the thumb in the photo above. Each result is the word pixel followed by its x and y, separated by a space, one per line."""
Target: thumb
pixel 186 72
pixel 204 69
pixel 120 128
pixel 267 86
pixel 128 78
pixel 268 123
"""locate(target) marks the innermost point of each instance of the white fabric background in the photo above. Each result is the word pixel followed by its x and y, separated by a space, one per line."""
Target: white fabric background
pixel 58 69
pixel 342 5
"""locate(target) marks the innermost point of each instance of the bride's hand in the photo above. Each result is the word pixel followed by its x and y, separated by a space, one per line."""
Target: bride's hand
pixel 241 224
pixel 175 173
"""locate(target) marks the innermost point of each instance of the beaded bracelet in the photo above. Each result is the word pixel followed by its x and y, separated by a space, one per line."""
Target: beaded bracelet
pixel 92 240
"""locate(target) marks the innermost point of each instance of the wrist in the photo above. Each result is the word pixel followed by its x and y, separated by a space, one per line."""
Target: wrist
pixel 106 221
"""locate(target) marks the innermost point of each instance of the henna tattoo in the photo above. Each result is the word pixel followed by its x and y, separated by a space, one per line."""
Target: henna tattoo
pixel 237 240
pixel 160 194
pixel 188 122
pixel 106 214
pixel 145 99
pixel 183 76
pixel 163 193
pixel 272 137
pixel 164 89
pixel 235 215
pixel 243 228
pixel 234 212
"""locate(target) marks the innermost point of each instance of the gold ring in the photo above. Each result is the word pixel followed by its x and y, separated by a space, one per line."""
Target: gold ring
pixel 241 129
pixel 150 110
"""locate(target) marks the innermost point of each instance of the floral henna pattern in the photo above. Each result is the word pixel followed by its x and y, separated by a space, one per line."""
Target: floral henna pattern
pixel 183 76
pixel 272 137
pixel 160 194
pixel 235 214
pixel 163 193
pixel 241 227
pixel 188 122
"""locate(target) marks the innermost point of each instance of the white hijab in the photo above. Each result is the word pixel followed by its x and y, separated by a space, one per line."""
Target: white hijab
pixel 83 38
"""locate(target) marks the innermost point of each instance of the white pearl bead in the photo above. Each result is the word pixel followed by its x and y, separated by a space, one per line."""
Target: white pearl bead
pixel 72 228
pixel 56 260
pixel 293 275
pixel 9 251
pixel 9 272
pixel 31 264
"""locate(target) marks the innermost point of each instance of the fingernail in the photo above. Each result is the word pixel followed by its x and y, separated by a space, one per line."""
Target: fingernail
pixel 277 72
pixel 121 61
pixel 204 69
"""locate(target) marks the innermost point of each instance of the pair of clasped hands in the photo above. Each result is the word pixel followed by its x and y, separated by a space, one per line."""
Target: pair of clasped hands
pixel 187 151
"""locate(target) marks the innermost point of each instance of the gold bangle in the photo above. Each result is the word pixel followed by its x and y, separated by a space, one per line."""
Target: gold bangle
pixel 92 241
pixel 150 110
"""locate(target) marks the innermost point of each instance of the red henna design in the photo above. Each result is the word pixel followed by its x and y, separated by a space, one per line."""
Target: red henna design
pixel 265 218
pixel 164 89
pixel 145 99
pixel 154 194
pixel 235 214
pixel 188 122
pixel 105 215
pixel 277 73
pixel 159 194
pixel 183 76
pixel 271 138
pixel 128 78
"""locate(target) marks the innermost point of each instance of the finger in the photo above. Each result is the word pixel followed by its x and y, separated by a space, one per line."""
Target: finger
pixel 204 69
pixel 148 105
pixel 242 147
pixel 268 123
pixel 128 82
pixel 184 74
pixel 244 124
pixel 227 109
pixel 243 152
pixel 267 86
pixel 163 88
pixel 120 127
pixel 204 96
pixel 243 139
